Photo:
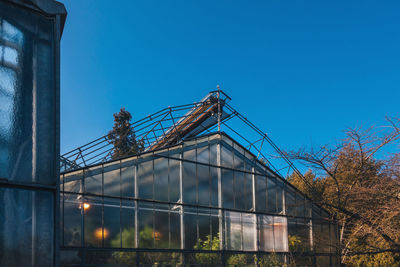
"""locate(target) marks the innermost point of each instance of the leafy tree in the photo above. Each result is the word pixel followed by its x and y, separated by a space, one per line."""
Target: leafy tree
pixel 122 136
pixel 361 190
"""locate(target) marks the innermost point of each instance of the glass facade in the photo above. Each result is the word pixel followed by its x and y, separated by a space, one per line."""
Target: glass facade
pixel 206 202
pixel 29 135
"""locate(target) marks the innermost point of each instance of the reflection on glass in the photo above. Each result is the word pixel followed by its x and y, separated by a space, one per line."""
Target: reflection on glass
pixel 233 230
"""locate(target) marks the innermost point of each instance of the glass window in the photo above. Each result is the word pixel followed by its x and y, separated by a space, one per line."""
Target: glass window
pixel 33 239
pixel 300 205
pixel 27 103
pixel 204 184
pixel 249 232
pixel 162 226
pixel 93 223
pixel 72 221
pixel 227 188
pixel 161 179
pixel 213 154
pixel 112 230
pixel 191 230
pixel 280 234
pixel 272 189
pixel 128 224
pixel 94 180
pixel 266 226
pixel 146 225
pixel 321 236
pixel 240 190
pixel 112 179
pixel 261 191
pixel 189 183
pixel 72 182
pixel 174 174
pixel 248 188
pixel 175 226
pixel 203 153
pixel 214 186
pixel 290 201
pixel 233 230
pixel 128 178
pixel 226 157
pixel 145 179
pixel 279 196
pixel 204 228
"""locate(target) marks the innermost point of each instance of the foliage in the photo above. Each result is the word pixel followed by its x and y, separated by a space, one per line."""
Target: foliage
pixel 122 136
pixel 361 189
pixel 209 243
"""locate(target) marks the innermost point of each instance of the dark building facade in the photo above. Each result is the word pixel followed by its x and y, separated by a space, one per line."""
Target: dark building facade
pixel 30 33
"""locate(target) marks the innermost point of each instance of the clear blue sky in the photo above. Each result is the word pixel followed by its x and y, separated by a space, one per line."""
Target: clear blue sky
pixel 303 71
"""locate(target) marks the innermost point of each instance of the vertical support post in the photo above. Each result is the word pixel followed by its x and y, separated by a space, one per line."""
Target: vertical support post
pixel 57 36
pixel 220 213
pixel 253 208
pixel 135 181
pixel 219 108
pixel 181 199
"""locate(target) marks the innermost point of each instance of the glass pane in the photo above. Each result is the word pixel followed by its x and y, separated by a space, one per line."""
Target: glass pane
pixel 215 229
pixel 174 172
pixel 112 231
pixel 161 179
pixel 145 179
pixel 94 180
pixel 227 188
pixel 190 224
pixel 72 221
pixel 266 233
pixel 249 232
pixel 261 191
pixel 128 179
pixel 189 183
pixel 128 224
pixel 146 222
pixel 25 224
pixel 203 153
pixel 213 154
pixel 214 186
pixel 323 261
pixel 204 229
pixel 175 226
pixel 248 189
pixel 27 103
pixel 161 226
pixel 240 190
pixel 300 204
pixel 226 157
pixel 272 188
pixel 112 179
pixel 280 234
pixel 204 184
pixel 93 223
pixel 72 182
pixel 233 230
pixel 290 201
pixel 279 196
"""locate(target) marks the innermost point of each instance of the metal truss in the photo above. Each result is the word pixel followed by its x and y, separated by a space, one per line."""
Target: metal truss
pixel 173 125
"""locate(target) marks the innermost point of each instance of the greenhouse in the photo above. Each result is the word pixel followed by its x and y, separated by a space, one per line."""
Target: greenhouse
pixel 194 196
